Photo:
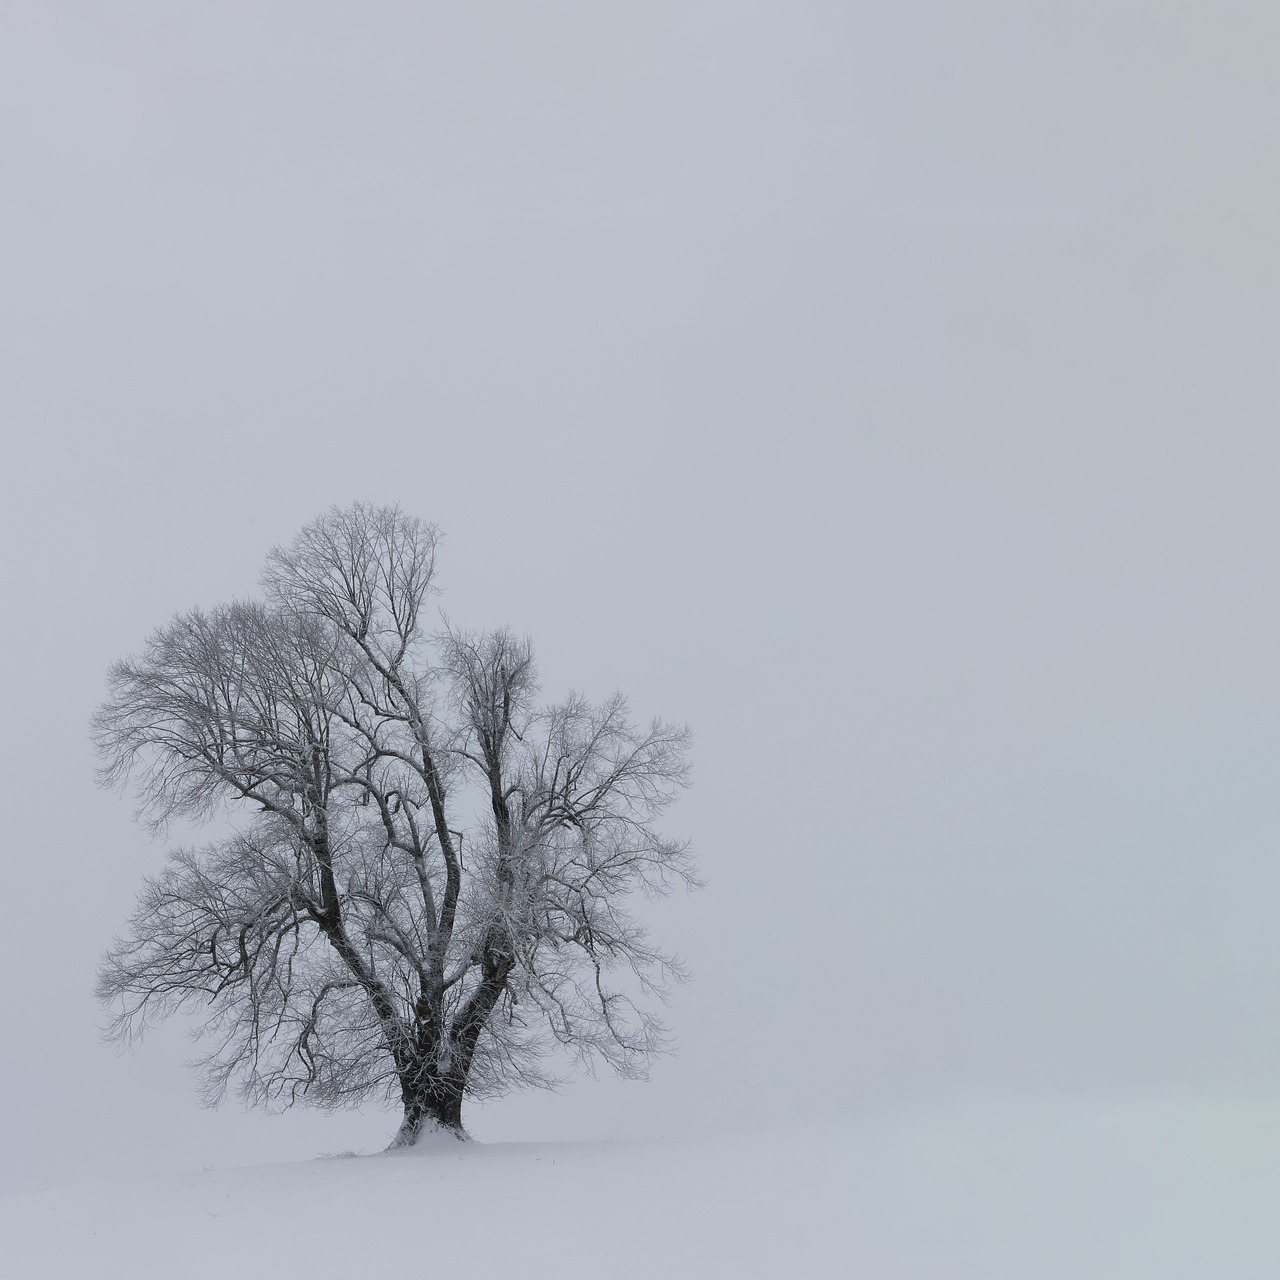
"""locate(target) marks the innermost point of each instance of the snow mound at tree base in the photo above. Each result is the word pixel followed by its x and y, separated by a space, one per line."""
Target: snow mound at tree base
pixel 1166 1189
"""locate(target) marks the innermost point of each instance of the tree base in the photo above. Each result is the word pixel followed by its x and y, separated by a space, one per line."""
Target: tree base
pixel 427 1133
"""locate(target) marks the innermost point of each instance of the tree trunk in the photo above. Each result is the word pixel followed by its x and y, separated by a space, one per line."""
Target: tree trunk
pixel 430 1106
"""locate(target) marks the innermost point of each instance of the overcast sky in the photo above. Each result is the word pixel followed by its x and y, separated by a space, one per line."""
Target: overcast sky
pixel 888 389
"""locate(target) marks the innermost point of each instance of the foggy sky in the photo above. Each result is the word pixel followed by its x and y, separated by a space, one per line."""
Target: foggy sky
pixel 888 390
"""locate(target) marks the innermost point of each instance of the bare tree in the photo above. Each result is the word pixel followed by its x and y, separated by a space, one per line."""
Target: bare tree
pixel 359 933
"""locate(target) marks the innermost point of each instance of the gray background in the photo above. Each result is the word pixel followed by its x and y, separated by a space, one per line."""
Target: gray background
pixel 887 389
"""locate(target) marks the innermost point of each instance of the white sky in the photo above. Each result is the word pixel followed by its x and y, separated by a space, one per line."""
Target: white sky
pixel 887 389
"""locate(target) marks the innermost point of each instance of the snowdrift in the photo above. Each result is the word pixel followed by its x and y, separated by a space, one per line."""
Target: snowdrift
pixel 1029 1191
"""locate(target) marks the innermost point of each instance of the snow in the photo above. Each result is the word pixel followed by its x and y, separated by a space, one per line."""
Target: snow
pixel 1169 1188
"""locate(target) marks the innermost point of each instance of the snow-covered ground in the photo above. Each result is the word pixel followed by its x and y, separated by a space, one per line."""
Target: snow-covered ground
pixel 1031 1190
